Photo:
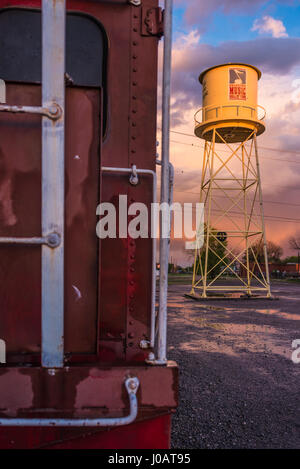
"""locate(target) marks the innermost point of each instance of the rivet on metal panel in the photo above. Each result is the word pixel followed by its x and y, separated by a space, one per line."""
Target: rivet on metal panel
pixel 133 180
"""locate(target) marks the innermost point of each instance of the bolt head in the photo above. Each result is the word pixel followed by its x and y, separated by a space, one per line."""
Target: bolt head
pixel 132 385
pixel 53 239
pixel 144 344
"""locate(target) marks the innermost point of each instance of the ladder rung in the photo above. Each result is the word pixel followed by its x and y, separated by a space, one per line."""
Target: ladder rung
pixel 52 240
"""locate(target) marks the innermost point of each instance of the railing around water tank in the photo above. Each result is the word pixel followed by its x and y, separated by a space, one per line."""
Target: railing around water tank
pixel 238 111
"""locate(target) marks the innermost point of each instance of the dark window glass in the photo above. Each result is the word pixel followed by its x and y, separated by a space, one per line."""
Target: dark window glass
pixel 21 48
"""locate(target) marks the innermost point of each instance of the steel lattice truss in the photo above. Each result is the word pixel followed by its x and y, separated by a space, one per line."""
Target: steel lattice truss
pixel 232 197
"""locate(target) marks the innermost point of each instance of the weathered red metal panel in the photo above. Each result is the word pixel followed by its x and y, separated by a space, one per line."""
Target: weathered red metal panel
pixel 20 199
pixel 130 139
pixel 97 391
pixel 108 303
pixel 20 208
pixel 148 434
pixel 82 197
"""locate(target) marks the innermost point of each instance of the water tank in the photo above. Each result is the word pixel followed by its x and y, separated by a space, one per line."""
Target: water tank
pixel 229 99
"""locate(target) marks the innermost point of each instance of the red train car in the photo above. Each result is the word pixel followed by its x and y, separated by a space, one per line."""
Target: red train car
pixel 82 349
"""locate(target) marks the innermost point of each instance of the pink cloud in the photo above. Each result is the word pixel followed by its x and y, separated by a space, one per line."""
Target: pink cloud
pixel 198 12
pixel 270 25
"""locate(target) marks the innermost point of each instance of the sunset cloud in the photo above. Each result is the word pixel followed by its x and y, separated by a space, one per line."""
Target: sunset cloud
pixel 198 13
pixel 279 92
pixel 271 26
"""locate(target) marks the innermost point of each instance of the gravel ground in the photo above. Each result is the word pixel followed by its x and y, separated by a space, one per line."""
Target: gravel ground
pixel 238 385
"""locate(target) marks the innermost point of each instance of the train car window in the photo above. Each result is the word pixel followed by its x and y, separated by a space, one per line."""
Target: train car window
pixel 21 48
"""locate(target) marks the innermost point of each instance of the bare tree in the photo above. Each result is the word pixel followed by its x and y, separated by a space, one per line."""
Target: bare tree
pixel 294 242
pixel 274 251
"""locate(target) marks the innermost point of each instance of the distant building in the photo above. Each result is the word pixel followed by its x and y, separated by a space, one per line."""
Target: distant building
pixel 288 269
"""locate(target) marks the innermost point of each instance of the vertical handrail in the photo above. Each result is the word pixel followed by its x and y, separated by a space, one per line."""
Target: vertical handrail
pixel 165 241
pixel 53 187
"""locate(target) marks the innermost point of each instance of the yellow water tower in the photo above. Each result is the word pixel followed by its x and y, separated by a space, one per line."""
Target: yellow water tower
pixel 234 229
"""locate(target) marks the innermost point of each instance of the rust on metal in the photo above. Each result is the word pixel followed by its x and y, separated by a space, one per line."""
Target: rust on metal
pixel 107 314
pixel 152 22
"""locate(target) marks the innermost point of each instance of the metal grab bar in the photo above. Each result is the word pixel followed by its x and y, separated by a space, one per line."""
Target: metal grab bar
pixel 138 171
pixel 54 111
pixel 52 240
pixel 131 385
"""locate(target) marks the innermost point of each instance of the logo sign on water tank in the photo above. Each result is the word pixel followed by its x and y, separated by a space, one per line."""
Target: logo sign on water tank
pixel 237 84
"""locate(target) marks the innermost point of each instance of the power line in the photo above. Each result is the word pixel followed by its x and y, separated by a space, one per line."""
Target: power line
pixel 227 151
pixel 270 217
pixel 264 148
pixel 221 197
pixel 241 215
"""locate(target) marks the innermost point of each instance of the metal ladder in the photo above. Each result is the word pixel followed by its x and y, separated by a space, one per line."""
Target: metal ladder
pixel 53 184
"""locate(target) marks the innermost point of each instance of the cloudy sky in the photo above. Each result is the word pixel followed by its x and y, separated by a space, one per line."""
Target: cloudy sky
pixel 262 33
